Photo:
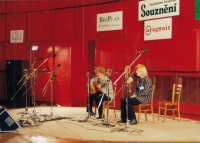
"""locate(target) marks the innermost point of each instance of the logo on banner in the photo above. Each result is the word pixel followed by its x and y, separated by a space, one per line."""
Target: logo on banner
pixel 158 29
pixel 109 21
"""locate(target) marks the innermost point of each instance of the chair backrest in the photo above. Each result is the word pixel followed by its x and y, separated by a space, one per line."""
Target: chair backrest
pixel 176 93
pixel 152 96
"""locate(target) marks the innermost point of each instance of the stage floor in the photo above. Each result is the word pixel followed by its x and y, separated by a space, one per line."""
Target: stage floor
pixel 70 124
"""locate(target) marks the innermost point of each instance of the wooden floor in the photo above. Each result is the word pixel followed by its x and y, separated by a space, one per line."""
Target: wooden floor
pixel 70 131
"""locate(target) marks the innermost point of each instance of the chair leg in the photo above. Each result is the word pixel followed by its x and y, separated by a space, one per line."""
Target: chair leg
pixel 103 111
pixel 114 112
pixel 152 115
pixel 139 115
pixel 179 116
pixel 145 112
pixel 165 112
pixel 173 114
pixel 158 113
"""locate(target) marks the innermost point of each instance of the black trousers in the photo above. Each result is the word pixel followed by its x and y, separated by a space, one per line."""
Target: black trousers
pixel 97 98
pixel 131 112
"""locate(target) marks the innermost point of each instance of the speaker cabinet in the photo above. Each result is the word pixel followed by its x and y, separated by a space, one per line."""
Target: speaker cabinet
pixel 7 123
pixel 16 89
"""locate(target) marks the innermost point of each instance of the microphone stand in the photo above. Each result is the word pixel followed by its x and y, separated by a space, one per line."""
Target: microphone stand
pixel 34 70
pixel 88 88
pixel 34 82
pixel 26 78
pixel 107 121
pixel 52 76
pixel 127 85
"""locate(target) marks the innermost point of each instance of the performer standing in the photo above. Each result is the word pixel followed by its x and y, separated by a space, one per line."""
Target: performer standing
pixel 101 89
pixel 142 94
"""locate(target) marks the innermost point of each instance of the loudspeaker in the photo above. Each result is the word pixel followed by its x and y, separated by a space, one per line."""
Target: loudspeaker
pixel 7 123
pixel 14 73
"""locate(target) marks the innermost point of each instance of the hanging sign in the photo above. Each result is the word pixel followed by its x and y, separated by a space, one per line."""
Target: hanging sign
pixel 109 21
pixel 158 29
pixel 16 36
pixel 157 8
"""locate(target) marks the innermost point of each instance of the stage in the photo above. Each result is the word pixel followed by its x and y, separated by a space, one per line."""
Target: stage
pixel 70 124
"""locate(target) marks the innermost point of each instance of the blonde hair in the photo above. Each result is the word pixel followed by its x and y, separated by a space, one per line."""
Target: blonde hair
pixel 100 70
pixel 142 69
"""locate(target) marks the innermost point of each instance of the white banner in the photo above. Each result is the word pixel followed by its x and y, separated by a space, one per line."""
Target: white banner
pixel 157 8
pixel 158 29
pixel 16 36
pixel 110 21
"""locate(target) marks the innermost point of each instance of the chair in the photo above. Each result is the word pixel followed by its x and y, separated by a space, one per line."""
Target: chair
pixel 110 104
pixel 145 108
pixel 174 105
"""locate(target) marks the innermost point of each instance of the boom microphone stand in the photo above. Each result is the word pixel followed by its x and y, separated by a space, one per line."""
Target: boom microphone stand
pixel 34 70
pixel 52 76
pixel 25 78
pixel 141 52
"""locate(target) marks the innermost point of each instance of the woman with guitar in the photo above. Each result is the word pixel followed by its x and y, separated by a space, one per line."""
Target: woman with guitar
pixel 101 89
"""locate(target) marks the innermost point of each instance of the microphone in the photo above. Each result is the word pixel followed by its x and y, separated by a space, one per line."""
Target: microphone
pixel 38 59
pixel 53 55
pixel 45 69
pixel 143 51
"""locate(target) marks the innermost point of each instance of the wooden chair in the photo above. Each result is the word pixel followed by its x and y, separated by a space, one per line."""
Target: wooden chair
pixel 107 105
pixel 174 105
pixel 145 108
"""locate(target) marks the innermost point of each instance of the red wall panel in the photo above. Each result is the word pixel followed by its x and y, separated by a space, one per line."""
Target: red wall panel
pixel 79 66
pixel 85 23
pixel 62 22
pixel 16 22
pixel 2 6
pixel 2 28
pixel 19 51
pixel 158 57
pixel 106 1
pixel 112 52
pixel 39 26
pixel 131 23
pixel 61 3
pixel 17 6
pixel 39 5
pixel 63 80
pixel 184 54
pixel 84 2
pixel 186 19
pixel 133 44
pixel 111 7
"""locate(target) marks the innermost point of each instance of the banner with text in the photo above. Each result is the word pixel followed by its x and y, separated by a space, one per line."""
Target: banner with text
pixel 109 21
pixel 158 29
pixel 157 9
